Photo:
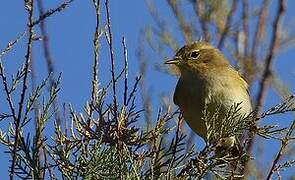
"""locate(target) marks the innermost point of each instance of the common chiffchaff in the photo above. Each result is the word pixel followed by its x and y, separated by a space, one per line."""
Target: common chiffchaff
pixel 207 79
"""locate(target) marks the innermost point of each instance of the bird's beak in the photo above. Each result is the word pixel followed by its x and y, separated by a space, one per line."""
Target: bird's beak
pixel 175 60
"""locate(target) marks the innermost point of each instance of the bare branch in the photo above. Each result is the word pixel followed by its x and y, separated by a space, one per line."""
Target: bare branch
pixel 204 18
pixel 275 41
pixel 185 28
pixel 260 28
pixel 50 12
pixel 30 9
pixel 284 142
pixel 110 42
pixel 95 67
pixel 246 25
pixel 48 57
pixel 125 70
pixel 11 44
pixel 227 24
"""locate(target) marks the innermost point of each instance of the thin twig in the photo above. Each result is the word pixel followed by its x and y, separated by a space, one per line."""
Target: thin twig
pixel 125 71
pixel 246 26
pixel 204 18
pixel 275 41
pixel 51 11
pixel 96 43
pixel 258 36
pixel 284 143
pixel 185 28
pixel 132 93
pixel 48 58
pixel 146 97
pixel 175 146
pixel 4 77
pixel 50 67
pixel 7 92
pixel 50 171
pixel 30 8
pixel 260 28
pixel 11 44
pixel 110 42
pixel 263 85
pixel 227 24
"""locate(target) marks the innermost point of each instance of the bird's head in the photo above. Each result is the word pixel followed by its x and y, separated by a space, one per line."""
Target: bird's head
pixel 198 54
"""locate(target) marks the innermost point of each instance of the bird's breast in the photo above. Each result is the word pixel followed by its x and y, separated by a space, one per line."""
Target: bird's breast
pixel 216 90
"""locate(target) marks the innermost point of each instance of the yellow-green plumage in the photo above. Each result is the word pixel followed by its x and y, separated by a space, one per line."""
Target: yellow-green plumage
pixel 206 77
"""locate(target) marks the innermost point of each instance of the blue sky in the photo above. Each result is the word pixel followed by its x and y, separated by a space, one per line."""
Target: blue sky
pixel 71 35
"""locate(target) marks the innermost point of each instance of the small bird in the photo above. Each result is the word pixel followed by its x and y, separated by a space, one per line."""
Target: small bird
pixel 207 79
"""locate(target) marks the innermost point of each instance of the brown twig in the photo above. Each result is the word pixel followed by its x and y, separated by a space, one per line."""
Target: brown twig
pixel 45 41
pixel 163 33
pixel 7 90
pixel 51 11
pixel 48 58
pixel 125 71
pixel 30 8
pixel 38 132
pixel 11 44
pixel 228 23
pixel 110 42
pixel 275 41
pixel 178 138
pixel 50 67
pixel 50 171
pixel 260 28
pixel 146 97
pixel 284 143
pixel 246 25
pixel 185 28
pixel 263 85
pixel 204 18
pixel 95 68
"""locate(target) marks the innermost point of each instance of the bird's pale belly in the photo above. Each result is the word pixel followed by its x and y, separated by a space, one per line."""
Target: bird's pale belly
pixel 192 105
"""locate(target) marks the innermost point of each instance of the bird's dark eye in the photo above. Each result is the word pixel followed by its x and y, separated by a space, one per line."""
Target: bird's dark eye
pixel 195 54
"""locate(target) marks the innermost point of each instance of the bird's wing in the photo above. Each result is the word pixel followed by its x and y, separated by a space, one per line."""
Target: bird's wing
pixel 245 84
pixel 177 93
